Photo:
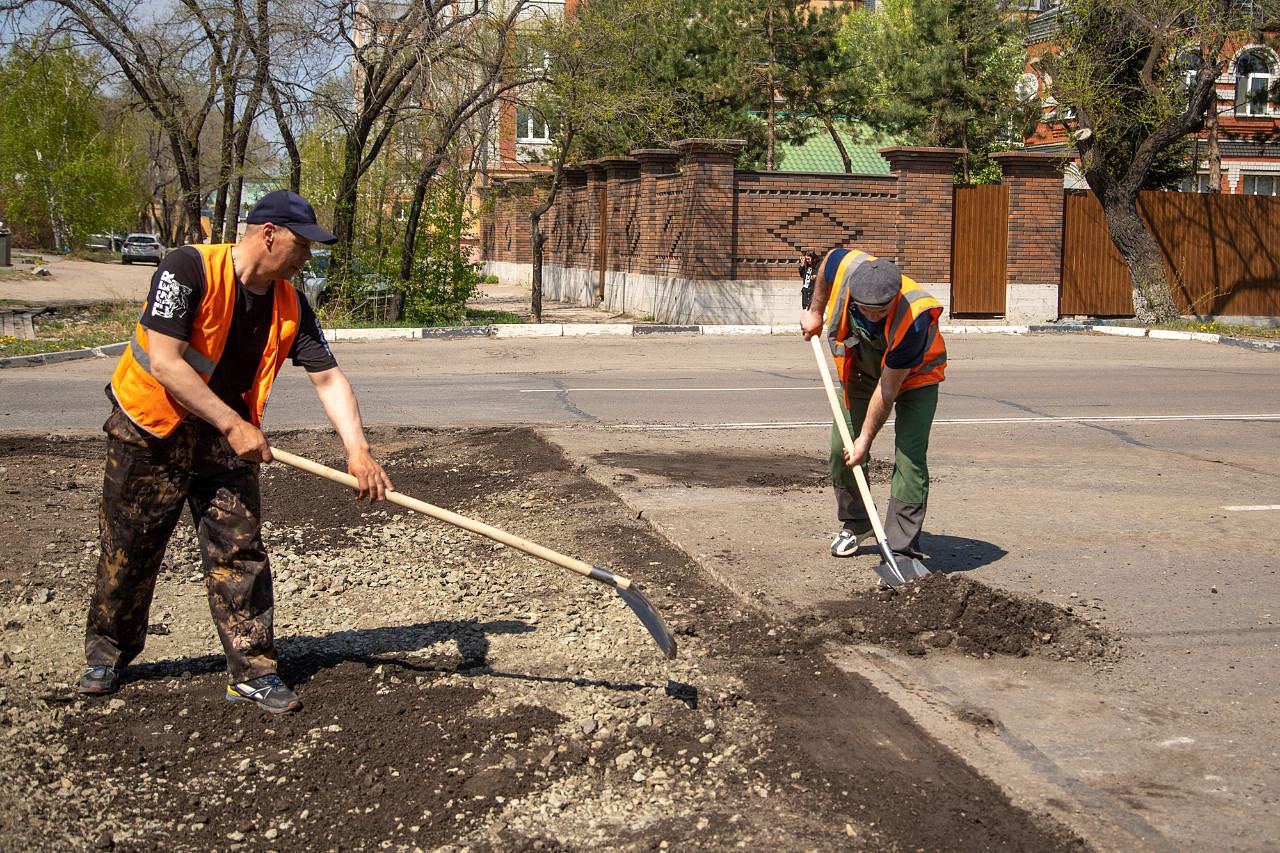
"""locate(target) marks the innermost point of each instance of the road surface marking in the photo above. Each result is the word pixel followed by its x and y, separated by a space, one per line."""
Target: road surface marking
pixel 954 421
pixel 1258 508
pixel 657 390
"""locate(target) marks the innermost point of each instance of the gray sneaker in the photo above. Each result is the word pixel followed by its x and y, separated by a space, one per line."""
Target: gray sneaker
pixel 847 541
pixel 268 691
pixel 99 681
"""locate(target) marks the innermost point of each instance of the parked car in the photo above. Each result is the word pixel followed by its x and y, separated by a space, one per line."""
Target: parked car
pixel 313 278
pixel 109 242
pixel 142 247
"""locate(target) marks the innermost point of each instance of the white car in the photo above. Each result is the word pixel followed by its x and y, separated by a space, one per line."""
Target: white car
pixel 142 247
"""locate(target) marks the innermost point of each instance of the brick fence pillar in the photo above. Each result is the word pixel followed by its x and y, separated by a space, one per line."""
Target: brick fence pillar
pixel 924 210
pixel 710 234
pixel 597 206
pixel 570 214
pixel 653 162
pixel 1036 202
pixel 618 170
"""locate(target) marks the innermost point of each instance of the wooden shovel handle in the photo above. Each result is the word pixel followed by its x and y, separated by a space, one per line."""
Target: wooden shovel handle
pixel 847 439
pixel 441 514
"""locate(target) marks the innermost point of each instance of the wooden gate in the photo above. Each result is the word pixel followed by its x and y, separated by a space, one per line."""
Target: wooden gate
pixel 1095 280
pixel 979 249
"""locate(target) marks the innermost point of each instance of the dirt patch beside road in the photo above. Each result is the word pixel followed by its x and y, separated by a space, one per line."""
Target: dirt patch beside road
pixel 943 611
pixel 457 693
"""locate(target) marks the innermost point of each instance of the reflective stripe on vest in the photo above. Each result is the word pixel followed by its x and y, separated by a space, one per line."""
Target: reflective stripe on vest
pixel 911 302
pixel 200 362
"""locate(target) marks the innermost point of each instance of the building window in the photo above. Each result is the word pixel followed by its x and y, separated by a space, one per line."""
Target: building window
pixel 1195 183
pixel 1253 84
pixel 1259 184
pixel 531 127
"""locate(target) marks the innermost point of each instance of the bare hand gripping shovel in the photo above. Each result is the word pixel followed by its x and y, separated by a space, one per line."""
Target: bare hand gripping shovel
pixel 630 593
pixel 895 571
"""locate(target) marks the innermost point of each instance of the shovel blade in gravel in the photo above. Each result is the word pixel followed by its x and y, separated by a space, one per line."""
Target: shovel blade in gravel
pixel 648 615
pixel 909 569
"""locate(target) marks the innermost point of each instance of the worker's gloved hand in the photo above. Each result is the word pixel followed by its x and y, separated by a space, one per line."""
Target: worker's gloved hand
pixel 374 482
pixel 248 442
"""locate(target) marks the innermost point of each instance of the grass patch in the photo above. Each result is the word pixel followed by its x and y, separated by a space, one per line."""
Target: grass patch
pixel 336 317
pixel 63 329
pixel 1212 328
pixel 101 256
pixel 17 274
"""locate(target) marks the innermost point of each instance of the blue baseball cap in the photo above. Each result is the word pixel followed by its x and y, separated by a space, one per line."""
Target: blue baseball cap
pixel 292 211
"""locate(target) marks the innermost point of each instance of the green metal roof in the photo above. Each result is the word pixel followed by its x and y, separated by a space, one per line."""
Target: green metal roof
pixel 820 154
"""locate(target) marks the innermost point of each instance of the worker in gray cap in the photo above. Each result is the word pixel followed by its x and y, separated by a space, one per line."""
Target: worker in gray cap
pixel 889 352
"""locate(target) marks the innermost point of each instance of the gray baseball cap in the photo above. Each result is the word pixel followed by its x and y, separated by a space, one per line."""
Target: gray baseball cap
pixel 875 282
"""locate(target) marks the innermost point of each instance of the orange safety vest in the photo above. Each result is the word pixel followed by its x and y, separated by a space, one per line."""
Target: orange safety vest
pixel 911 301
pixel 148 403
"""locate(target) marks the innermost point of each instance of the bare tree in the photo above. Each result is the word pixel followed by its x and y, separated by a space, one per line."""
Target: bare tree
pixel 166 63
pixel 389 45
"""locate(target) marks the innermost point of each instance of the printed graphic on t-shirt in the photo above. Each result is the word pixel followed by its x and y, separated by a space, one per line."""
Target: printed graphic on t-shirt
pixel 171 297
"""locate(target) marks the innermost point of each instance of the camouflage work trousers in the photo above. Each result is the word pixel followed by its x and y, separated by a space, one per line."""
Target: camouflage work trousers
pixel 147 481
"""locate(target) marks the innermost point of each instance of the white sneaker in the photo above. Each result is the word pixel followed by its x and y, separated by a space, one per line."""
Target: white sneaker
pixel 846 542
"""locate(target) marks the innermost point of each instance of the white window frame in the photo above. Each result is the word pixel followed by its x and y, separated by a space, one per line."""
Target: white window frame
pixel 1247 108
pixel 526 135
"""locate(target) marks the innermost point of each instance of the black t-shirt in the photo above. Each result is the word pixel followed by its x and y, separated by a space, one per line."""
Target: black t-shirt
pixel 176 292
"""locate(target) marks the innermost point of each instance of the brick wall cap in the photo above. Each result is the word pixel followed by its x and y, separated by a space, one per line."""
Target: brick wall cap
pixel 620 168
pixel 654 153
pixel 930 152
pixel 1033 156
pixel 691 147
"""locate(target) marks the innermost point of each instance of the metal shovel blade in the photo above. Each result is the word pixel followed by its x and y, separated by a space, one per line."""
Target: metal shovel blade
pixel 908 569
pixel 643 608
pixel 912 568
pixel 889 576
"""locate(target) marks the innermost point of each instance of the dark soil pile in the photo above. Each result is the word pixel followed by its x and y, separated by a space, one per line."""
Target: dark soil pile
pixel 947 611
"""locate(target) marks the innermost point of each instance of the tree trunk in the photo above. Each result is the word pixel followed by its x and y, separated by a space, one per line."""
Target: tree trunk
pixel 344 209
pixel 1215 150
pixel 835 137
pixel 1152 300
pixel 290 143
pixel 410 244
pixel 538 240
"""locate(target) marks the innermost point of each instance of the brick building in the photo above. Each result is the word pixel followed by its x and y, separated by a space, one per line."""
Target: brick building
pixel 1248 117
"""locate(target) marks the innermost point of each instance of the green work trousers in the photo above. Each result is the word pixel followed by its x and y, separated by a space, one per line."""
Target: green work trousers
pixel 909 492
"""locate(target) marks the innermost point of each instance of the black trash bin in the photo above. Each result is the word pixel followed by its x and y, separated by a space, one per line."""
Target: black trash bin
pixel 4 246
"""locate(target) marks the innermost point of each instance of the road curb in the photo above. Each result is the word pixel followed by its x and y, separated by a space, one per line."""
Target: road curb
pixel 572 330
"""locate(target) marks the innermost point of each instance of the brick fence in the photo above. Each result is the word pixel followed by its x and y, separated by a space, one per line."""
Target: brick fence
pixel 680 235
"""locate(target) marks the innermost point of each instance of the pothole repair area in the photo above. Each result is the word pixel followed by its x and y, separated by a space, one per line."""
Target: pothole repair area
pixel 458 694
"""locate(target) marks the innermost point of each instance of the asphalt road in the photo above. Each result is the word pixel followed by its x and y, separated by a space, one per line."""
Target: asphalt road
pixel 1133 479
pixel 1183 391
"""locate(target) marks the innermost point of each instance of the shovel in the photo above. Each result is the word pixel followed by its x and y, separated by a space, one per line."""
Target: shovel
pixel 626 588
pixel 894 571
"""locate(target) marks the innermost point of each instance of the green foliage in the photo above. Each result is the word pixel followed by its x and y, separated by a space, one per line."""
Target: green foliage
pixel 67 172
pixel 942 72
pixel 443 277
pixel 630 74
